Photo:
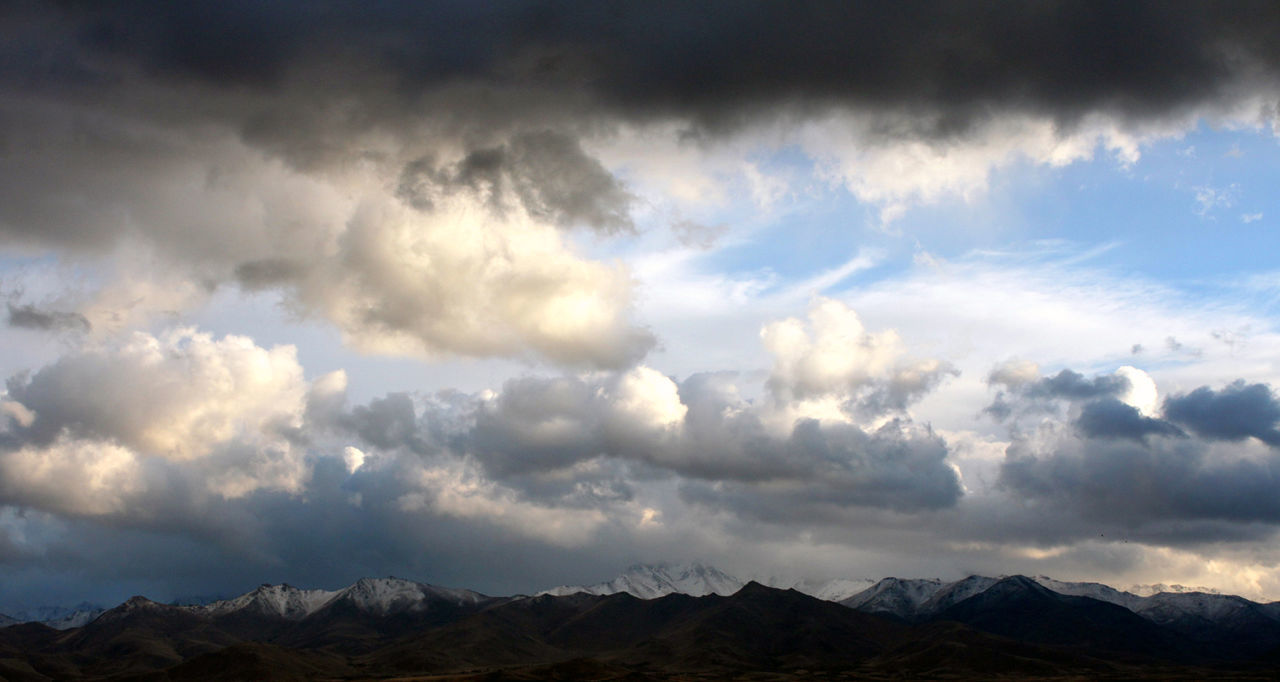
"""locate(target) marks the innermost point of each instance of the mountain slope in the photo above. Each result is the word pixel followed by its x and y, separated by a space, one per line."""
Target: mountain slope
pixel 371 611
pixel 1020 608
pixel 653 581
pixel 837 589
pixel 378 628
pixel 758 628
pixel 1092 590
pixel 1231 626
pixel 897 597
pixel 764 628
pixel 277 601
pixel 954 593
pixel 142 635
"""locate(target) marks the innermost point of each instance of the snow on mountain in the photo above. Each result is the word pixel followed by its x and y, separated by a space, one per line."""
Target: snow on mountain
pixel 1157 588
pixel 40 614
pixel 830 590
pixel 1093 590
pixel 75 619
pixel 132 606
pixel 283 601
pixel 377 596
pixel 899 596
pixel 954 593
pixel 653 581
pixel 915 599
pixel 385 596
pixel 56 617
pixel 1221 609
pixel 910 599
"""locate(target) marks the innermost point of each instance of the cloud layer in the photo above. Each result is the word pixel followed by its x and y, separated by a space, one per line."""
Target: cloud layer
pixel 417 183
pixel 454 182
pixel 1207 456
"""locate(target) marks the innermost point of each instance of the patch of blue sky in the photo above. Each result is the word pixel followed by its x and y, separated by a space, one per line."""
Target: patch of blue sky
pixel 1189 209
pixel 808 238
pixel 813 226
pixel 1194 212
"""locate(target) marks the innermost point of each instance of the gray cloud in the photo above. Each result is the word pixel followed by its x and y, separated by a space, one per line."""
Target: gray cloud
pixel 185 435
pixel 1110 418
pixel 268 272
pixel 579 433
pixel 389 422
pixel 387 168
pixel 547 172
pixel 1138 58
pixel 1234 413
pixel 222 141
pixel 1134 483
pixel 30 317
pixel 897 467
pixel 1116 465
pixel 1067 385
pixel 560 469
pixel 1025 394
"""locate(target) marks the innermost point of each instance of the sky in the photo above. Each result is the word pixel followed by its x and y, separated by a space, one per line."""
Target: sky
pixel 512 295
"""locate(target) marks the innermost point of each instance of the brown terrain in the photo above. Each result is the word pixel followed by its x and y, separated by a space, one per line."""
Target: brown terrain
pixel 1015 630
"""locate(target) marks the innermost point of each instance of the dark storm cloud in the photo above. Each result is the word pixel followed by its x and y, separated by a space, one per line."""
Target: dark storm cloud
pixel 1234 413
pixel 265 273
pixel 30 317
pixel 389 422
pixel 712 59
pixel 1037 395
pixel 1138 483
pixel 567 437
pixel 1068 385
pixel 902 389
pixel 163 127
pixel 1110 418
pixel 321 540
pixel 539 425
pixel 1195 463
pixel 546 171
pixel 892 468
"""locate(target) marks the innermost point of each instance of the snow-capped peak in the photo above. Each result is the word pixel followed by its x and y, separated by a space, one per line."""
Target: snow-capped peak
pixel 1093 590
pixel 283 601
pixel 134 605
pixel 652 581
pixel 956 592
pixel 902 597
pixel 378 596
pixel 75 619
pixel 1157 588
pixel 56 617
pixel 383 596
pixel 838 589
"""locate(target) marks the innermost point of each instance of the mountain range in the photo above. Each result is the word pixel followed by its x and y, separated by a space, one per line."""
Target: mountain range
pixel 662 622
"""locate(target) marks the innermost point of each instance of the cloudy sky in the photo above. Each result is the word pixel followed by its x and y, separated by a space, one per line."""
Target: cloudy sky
pixel 513 295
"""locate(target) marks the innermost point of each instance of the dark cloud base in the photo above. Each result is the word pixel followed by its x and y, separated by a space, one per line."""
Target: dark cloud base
pixel 702 60
pixel 1210 457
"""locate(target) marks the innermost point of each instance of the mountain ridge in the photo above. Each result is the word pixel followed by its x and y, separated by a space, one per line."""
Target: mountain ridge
pixel 387 627
pixel 1197 614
